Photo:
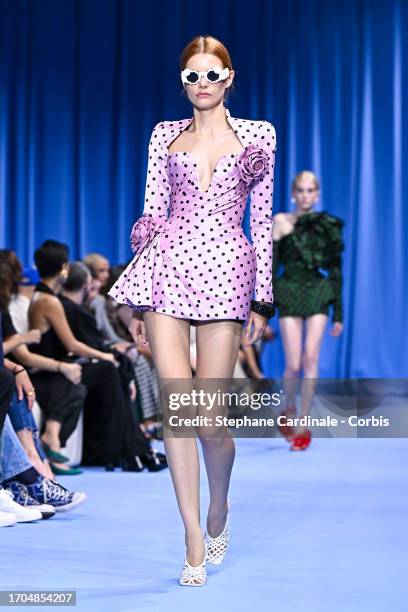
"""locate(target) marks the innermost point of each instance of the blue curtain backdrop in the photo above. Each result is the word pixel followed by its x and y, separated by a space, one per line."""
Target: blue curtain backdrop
pixel 82 82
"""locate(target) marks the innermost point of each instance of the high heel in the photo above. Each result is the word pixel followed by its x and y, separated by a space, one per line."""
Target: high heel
pixel 217 547
pixel 194 575
pixel 154 462
pixel 301 441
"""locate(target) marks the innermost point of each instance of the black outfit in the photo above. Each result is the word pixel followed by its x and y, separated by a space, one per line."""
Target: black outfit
pixel 60 399
pixel 116 436
pixel 315 245
pixel 6 393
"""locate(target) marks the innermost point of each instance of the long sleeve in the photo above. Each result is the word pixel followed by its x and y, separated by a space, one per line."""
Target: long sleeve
pixel 261 217
pixel 157 192
pixel 336 274
pixel 336 280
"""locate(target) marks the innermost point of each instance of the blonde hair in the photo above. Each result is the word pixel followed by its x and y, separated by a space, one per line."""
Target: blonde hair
pixel 305 174
pixel 92 260
pixel 207 44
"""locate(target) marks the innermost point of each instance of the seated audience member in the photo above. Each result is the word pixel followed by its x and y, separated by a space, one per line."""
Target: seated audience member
pixel 61 386
pixel 21 412
pixel 15 468
pixel 22 284
pixel 20 301
pixel 123 443
pixel 99 267
pixel 27 487
pixel 83 325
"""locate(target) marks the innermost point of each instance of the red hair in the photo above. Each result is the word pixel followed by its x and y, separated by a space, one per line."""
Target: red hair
pixel 205 44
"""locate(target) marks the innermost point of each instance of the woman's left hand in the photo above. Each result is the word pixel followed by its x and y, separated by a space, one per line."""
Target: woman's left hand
pixel 336 329
pixel 255 328
pixel 24 387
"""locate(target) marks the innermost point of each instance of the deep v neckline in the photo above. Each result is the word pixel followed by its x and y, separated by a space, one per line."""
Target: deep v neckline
pixel 196 167
pixel 227 114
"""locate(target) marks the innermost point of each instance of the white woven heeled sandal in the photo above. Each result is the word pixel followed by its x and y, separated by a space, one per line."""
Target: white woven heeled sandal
pixel 217 547
pixel 194 575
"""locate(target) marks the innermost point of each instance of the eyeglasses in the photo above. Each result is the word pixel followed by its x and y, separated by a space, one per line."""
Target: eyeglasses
pixel 213 75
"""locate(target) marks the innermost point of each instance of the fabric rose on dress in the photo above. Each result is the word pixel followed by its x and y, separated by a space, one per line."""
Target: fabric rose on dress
pixel 144 230
pixel 252 163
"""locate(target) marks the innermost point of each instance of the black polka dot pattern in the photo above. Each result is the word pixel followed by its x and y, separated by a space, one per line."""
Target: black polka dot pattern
pixel 201 266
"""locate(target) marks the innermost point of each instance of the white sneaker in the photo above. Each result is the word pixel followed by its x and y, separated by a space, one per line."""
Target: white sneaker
pixel 21 497
pixel 7 519
pixel 23 515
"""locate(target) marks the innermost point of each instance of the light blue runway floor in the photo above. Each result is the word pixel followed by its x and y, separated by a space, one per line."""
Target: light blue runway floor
pixel 318 531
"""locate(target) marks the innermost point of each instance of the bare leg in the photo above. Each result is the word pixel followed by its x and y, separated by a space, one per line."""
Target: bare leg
pixel 26 438
pixel 217 350
pixel 51 435
pixel 291 332
pixel 315 327
pixel 169 340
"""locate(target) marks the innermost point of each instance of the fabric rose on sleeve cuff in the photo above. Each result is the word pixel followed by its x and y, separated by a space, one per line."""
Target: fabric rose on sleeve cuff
pixel 144 230
pixel 252 163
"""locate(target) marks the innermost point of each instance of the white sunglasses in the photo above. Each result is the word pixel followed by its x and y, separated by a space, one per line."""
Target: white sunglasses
pixel 213 75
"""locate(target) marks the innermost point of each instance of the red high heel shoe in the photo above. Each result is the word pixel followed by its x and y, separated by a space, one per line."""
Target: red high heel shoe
pixel 287 431
pixel 301 441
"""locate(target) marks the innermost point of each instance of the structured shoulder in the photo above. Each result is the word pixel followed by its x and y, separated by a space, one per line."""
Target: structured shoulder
pixel 165 131
pixel 252 125
pixel 170 126
pixel 267 126
pixel 266 131
pixel 256 131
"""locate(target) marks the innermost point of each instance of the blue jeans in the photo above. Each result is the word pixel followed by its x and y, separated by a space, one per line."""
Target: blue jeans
pixel 22 418
pixel 13 458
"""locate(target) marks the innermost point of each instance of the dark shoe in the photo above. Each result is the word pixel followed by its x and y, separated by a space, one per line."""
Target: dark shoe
pixel 161 457
pixel 153 463
pixel 68 472
pixel 132 465
pixel 53 455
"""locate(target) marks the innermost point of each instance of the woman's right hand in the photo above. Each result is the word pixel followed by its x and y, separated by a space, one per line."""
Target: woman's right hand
pixel 72 371
pixel 31 337
pixel 137 330
pixel 254 329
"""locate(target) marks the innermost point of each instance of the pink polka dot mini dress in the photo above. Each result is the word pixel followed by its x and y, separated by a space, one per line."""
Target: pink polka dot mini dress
pixel 192 259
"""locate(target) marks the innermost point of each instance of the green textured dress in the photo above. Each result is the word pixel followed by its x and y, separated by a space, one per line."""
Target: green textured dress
pixel 307 270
